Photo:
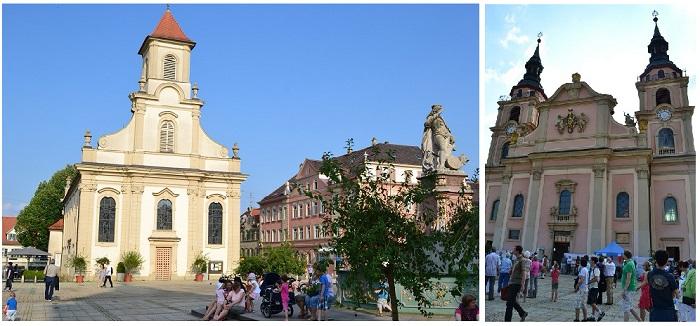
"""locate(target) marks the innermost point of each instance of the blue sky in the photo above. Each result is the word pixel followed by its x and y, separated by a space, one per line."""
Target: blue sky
pixel 606 44
pixel 286 82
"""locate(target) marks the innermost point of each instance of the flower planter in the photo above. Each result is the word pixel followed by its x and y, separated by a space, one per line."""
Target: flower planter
pixel 199 277
pixel 79 279
pixel 120 277
pixel 127 277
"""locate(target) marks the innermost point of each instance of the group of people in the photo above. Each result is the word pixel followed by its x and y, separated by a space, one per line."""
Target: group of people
pixel 664 296
pixel 105 273
pixel 230 297
pixel 50 285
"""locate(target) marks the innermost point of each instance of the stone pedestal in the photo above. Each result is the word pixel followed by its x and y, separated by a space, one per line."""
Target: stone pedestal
pixel 448 185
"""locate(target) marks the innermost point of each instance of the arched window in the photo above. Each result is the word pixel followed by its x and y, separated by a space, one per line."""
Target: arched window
pixel 663 96
pixel 105 230
pixel 164 220
pixel 518 204
pixel 519 93
pixel 661 74
pixel 670 210
pixel 504 150
pixel 622 205
pixel 215 221
pixel 514 114
pixel 565 202
pixel 169 64
pixel 167 136
pixel 666 138
pixel 494 209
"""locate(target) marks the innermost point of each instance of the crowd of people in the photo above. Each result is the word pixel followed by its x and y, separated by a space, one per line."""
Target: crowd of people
pixel 667 290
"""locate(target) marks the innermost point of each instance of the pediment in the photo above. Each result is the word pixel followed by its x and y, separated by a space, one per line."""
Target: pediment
pixel 577 91
pixel 166 191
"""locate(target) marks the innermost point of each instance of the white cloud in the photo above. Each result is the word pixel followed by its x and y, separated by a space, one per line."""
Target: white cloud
pixel 513 36
pixel 11 209
pixel 510 18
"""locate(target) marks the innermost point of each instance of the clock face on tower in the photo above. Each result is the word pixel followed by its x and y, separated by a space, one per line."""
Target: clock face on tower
pixel 663 114
pixel 511 128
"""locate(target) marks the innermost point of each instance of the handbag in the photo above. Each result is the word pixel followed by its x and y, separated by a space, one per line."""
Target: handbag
pixel 504 294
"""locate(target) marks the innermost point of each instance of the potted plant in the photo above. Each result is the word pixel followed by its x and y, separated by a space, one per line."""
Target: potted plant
pixel 120 272
pixel 79 263
pixel 199 266
pixel 132 263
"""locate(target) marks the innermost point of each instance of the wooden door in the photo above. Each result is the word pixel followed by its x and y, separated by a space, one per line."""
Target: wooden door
pixel 163 255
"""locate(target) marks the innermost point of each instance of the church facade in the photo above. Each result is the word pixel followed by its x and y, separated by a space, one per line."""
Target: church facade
pixel 563 176
pixel 159 186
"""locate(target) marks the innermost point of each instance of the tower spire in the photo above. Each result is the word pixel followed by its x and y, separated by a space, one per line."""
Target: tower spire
pixel 658 49
pixel 533 68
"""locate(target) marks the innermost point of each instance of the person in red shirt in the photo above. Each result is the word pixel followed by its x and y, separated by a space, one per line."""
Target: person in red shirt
pixel 555 281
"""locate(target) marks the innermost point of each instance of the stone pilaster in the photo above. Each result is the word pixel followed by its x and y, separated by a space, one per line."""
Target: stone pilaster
pixel 642 233
pixel 135 218
pixel 126 216
pixel 501 224
pixel 86 218
pixel 688 131
pixel 233 202
pixel 597 215
pixel 194 222
pixel 530 223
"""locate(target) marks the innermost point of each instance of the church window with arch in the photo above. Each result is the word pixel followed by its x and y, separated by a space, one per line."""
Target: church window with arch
pixel 494 209
pixel 518 204
pixel 663 96
pixel 167 136
pixel 666 143
pixel 622 205
pixel 565 202
pixel 164 220
pixel 670 210
pixel 105 232
pixel 215 223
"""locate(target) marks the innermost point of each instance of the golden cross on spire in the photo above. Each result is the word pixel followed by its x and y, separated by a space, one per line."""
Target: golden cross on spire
pixel 539 34
pixel 654 13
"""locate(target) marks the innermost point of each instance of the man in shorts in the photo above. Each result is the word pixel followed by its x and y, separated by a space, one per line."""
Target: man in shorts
pixel 581 291
pixel 629 286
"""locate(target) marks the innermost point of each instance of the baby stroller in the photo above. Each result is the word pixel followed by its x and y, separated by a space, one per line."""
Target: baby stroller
pixel 272 301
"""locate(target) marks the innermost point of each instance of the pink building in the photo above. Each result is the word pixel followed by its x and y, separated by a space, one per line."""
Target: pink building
pixel 289 216
pixel 563 176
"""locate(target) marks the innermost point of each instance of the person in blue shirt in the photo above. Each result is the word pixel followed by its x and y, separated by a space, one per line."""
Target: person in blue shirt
pixel 663 290
pixel 11 307
pixel 382 298
pixel 327 295
pixel 504 273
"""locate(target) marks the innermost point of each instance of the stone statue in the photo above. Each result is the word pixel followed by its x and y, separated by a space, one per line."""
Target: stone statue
pixel 629 121
pixel 438 144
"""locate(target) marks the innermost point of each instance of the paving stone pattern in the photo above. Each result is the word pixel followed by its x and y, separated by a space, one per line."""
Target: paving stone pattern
pixel 541 309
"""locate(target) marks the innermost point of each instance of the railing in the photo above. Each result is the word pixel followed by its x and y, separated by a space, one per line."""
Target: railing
pixel 667 151
pixel 652 77
pixel 564 219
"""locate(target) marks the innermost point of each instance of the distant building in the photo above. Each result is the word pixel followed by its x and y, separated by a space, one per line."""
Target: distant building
pixel 56 241
pixel 250 232
pixel 9 237
pixel 563 176
pixel 287 215
pixel 160 185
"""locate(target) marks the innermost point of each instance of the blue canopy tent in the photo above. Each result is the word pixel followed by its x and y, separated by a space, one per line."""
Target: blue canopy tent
pixel 611 250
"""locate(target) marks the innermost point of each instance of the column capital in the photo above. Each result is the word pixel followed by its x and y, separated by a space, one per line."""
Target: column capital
pixel 599 170
pixel 642 173
pixel 536 173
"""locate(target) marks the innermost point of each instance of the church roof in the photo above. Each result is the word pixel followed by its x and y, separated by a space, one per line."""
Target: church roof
pixel 8 223
pixel 58 226
pixel 168 28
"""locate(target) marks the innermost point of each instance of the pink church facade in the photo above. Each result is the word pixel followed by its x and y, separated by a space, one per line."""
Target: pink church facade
pixel 563 176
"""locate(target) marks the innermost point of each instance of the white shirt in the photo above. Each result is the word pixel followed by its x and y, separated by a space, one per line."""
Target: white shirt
pixel 108 271
pixel 594 274
pixel 583 274
pixel 610 269
pixel 492 264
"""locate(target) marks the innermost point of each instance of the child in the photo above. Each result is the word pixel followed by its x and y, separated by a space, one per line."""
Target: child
pixel 11 307
pixel 216 308
pixel 555 282
pixel 284 293
pixel 467 310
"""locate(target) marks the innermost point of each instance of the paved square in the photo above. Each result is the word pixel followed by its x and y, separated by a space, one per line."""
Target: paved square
pixel 541 309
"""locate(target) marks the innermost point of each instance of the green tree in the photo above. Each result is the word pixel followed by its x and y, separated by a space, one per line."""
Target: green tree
pixel 44 209
pixel 284 260
pixel 374 229
pixel 255 264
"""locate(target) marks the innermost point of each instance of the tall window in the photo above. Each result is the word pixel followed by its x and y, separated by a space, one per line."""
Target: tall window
pixel 670 210
pixel 167 136
pixel 514 114
pixel 164 219
pixel 661 74
pixel 666 138
pixel 663 96
pixel 169 64
pixel 315 184
pixel 504 150
pixel 564 202
pixel 494 209
pixel 215 221
pixel 518 204
pixel 106 220
pixel 622 205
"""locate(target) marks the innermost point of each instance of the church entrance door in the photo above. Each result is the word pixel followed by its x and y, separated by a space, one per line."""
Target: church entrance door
pixel 558 251
pixel 163 269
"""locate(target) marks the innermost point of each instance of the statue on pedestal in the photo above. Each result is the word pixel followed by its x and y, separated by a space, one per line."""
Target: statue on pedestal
pixel 438 144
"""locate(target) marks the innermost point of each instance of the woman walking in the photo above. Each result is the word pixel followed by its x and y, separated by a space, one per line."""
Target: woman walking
pixel 645 297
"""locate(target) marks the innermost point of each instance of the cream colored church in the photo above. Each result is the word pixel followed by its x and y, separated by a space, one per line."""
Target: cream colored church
pixel 160 185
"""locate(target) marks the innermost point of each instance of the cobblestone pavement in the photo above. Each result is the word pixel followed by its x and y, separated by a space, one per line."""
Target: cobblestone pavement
pixel 541 309
pixel 153 300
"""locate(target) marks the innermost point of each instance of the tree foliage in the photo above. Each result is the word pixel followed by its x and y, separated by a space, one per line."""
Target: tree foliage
pixel 281 260
pixel 44 209
pixel 376 228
